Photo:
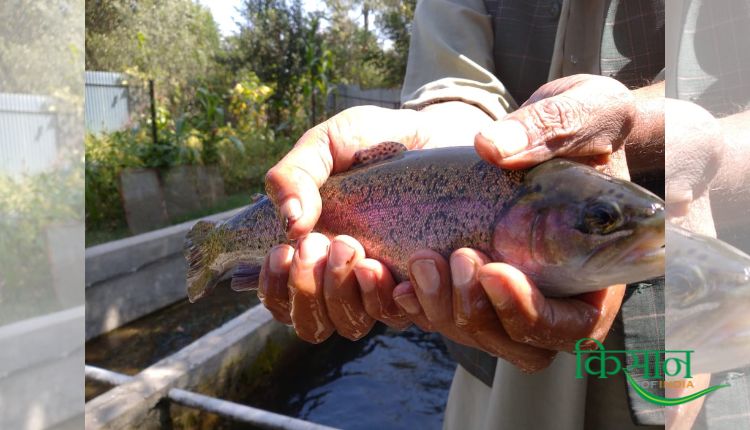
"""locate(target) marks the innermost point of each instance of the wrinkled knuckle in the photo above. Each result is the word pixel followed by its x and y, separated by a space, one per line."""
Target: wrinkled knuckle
pixel 555 118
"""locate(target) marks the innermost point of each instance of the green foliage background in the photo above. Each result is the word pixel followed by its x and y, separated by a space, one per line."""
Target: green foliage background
pixel 239 102
pixel 41 53
pixel 30 205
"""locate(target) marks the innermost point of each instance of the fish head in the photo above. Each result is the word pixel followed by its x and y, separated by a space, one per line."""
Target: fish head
pixel 706 300
pixel 573 229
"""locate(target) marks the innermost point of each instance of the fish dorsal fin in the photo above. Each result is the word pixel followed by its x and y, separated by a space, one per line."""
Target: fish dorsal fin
pixel 377 153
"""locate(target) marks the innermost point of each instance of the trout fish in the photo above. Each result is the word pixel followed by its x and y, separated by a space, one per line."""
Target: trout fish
pixel 707 300
pixel 568 227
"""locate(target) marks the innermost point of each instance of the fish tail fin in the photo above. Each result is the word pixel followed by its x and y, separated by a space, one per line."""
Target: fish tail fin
pixel 200 277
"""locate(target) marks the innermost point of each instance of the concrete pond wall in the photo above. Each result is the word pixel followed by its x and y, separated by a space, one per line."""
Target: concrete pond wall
pixel 218 364
pixel 40 371
pixel 129 278
pixel 152 198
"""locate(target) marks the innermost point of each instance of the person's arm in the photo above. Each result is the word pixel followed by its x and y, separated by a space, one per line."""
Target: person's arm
pixel 451 58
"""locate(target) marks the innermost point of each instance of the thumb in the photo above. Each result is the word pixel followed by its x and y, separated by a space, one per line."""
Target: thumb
pixel 292 184
pixel 549 323
pixel 591 119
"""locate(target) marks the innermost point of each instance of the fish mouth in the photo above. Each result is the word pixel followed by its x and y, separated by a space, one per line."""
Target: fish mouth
pixel 650 249
pixel 633 249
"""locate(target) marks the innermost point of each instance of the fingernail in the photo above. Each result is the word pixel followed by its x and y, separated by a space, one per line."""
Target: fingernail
pixel 276 259
pixel 340 254
pixel 426 275
pixel 409 303
pixel 365 279
pixel 291 209
pixel 311 250
pixel 496 291
pixel 462 270
pixel 508 136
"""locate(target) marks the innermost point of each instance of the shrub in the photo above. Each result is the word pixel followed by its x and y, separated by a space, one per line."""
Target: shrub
pixel 29 205
pixel 228 130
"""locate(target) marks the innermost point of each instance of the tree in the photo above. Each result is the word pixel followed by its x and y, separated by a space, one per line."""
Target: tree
pixel 171 41
pixel 283 46
pixel 355 49
pixel 40 48
pixel 360 54
pixel 395 23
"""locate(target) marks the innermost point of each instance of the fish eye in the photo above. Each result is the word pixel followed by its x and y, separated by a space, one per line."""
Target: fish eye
pixel 600 217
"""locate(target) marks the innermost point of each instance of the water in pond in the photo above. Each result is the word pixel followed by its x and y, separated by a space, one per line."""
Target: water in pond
pixel 393 380
pixel 141 343
pixel 389 380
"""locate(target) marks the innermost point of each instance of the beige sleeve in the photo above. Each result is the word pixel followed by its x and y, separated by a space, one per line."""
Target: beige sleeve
pixel 451 58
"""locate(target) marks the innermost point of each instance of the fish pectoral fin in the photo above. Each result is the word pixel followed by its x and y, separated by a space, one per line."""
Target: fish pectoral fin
pixel 375 154
pixel 245 278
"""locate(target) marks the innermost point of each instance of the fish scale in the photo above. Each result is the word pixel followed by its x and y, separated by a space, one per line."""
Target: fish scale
pixel 398 207
pixel 570 228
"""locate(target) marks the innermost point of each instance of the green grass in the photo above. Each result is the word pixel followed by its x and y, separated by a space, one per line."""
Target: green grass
pixel 96 237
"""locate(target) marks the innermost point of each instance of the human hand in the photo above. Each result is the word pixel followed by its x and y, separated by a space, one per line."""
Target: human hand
pixel 576 116
pixel 323 293
pixel 581 116
pixel 496 308
pixel 326 285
